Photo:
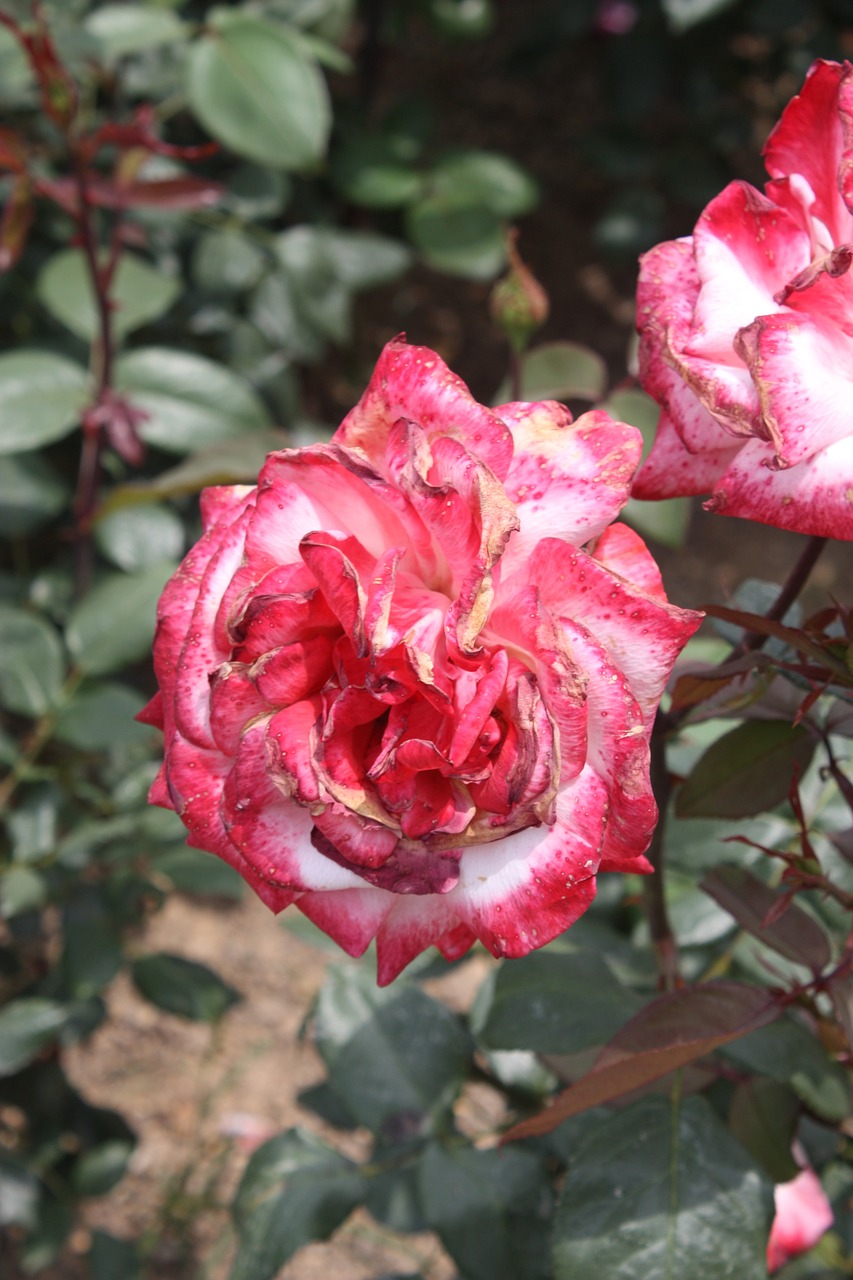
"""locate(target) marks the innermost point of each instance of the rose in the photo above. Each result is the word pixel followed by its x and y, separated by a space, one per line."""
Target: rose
pixel 747 332
pixel 803 1215
pixel 394 688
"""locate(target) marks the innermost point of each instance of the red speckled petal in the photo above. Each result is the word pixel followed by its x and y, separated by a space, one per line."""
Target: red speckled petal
pixel 201 654
pixel 622 550
pixel 671 471
pixel 815 497
pixel 414 383
pixel 350 917
pixel 803 370
pixel 196 780
pixel 567 479
pixel 641 634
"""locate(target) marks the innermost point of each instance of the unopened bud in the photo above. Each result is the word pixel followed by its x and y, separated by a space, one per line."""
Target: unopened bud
pixel 518 303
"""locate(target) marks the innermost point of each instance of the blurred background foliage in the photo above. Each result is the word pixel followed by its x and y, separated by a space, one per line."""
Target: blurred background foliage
pixel 370 158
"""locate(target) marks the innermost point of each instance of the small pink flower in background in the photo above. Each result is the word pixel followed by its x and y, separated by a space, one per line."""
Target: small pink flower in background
pixel 407 682
pixel 803 1215
pixel 747 332
pixel 248 1131
pixel 616 17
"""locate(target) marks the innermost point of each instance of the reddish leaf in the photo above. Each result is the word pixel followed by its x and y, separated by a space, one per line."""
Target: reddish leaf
pixel 160 193
pixel 690 690
pixel 140 133
pixel 754 622
pixel 16 222
pixel 13 151
pixel 670 1032
pixel 746 771
pixel 755 905
pixel 58 91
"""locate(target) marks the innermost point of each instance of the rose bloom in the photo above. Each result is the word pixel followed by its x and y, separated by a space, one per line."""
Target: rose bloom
pixel 407 681
pixel 803 1215
pixel 747 332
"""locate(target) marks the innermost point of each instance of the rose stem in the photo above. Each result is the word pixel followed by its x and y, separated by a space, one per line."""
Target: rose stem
pixel 102 359
pixel 794 584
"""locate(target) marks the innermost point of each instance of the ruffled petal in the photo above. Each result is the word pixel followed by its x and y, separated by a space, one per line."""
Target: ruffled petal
pixel 815 497
pixel 415 384
pixel 567 479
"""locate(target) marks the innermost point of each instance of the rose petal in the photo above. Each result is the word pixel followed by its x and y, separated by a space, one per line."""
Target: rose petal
pixel 567 479
pixel 414 383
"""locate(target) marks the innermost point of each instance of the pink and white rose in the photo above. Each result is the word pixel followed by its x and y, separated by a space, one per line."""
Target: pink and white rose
pixel 803 1215
pixel 747 332
pixel 407 681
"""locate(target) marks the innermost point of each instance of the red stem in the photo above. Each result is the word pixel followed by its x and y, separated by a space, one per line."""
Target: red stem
pixel 103 351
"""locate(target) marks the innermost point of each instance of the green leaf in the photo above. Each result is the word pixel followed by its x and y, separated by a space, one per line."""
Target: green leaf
pixel 42 397
pixel 192 871
pixel 554 1002
pixel 491 1209
pixel 102 716
pixel 295 1190
pixel 33 665
pixel 664 1192
pixel 122 29
pixel 92 954
pixel 113 1259
pixel 31 493
pixel 26 1027
pixel 18 1192
pixel 558 371
pixel 493 180
pixel 683 14
pixel 763 1117
pixel 251 84
pixel 671 1031
pixel 256 192
pixel 114 624
pixel 746 771
pixel 376 172
pixel 21 889
pixel 32 824
pixel 227 262
pixel 138 537
pixel 97 1171
pixel 396 1058
pixel 191 402
pixel 790 1053
pixel 363 259
pixel 793 934
pixel 140 293
pixel 457 234
pixel 183 987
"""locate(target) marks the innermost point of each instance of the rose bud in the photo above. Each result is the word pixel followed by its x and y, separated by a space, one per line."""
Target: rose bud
pixel 747 332
pixel 407 681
